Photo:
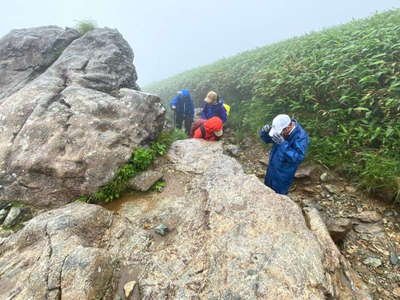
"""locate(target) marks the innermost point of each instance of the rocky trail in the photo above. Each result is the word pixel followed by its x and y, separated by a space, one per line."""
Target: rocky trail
pixel 366 229
pixel 69 118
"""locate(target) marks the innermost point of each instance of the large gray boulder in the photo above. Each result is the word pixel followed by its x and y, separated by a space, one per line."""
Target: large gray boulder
pixel 65 133
pixel 62 254
pixel 229 237
pixel 27 53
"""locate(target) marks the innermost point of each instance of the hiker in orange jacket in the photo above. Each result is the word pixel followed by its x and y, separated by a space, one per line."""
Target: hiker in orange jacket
pixel 209 130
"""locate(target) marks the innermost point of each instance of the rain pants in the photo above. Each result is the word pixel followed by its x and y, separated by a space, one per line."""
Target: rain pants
pixel 184 111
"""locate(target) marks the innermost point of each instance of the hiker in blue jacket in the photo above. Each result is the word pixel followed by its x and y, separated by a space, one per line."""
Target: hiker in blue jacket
pixel 183 106
pixel 214 107
pixel 290 146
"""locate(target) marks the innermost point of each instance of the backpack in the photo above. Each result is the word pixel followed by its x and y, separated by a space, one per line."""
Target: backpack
pixel 196 125
pixel 227 109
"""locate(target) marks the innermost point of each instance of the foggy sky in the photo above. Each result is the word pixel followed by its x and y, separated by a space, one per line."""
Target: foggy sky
pixel 171 36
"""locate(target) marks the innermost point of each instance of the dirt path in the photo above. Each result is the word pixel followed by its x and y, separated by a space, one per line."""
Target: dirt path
pixel 373 243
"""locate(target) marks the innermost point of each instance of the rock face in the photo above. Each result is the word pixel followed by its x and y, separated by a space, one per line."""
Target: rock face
pixel 229 237
pixel 64 133
pixel 144 181
pixel 61 254
pixel 26 53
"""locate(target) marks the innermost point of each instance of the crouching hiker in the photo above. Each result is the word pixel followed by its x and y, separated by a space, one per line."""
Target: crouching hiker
pixel 290 146
pixel 183 107
pixel 209 130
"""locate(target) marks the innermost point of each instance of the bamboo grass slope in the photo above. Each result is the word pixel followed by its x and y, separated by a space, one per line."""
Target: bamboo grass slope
pixel 342 83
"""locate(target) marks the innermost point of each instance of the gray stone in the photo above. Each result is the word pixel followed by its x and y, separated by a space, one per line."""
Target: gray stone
pixel 129 288
pixel 144 181
pixel 324 177
pixel 372 261
pixel 3 215
pixel 338 228
pixel 304 172
pixel 390 213
pixel 13 217
pixel 350 189
pixel 314 205
pixel 368 228
pixel 332 189
pixel 369 216
pixel 66 132
pixel 161 229
pixel 232 150
pixel 393 258
pixel 264 162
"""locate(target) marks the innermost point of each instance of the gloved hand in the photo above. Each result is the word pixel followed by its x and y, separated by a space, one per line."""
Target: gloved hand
pixel 266 128
pixel 277 138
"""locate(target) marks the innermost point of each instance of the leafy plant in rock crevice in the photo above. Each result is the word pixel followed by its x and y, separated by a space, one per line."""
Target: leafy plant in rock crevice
pixel 85 26
pixel 140 160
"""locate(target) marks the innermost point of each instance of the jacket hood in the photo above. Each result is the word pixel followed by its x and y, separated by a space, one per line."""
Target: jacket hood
pixel 213 124
pixel 185 93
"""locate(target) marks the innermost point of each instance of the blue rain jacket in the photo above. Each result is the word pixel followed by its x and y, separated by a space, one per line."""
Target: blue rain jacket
pixel 184 104
pixel 214 110
pixel 284 159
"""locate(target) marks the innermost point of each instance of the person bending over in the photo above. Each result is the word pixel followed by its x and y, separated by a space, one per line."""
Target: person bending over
pixel 209 130
pixel 290 143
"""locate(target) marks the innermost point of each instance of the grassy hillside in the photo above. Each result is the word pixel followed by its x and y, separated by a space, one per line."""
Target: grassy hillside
pixel 342 84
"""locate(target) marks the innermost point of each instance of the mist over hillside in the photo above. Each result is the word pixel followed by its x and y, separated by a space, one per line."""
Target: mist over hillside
pixel 342 83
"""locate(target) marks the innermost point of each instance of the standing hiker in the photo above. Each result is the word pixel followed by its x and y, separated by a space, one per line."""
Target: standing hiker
pixel 290 146
pixel 183 107
pixel 214 107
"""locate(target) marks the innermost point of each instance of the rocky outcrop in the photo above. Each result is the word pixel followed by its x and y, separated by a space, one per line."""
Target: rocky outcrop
pixel 66 132
pixel 228 237
pixel 27 53
pixel 62 254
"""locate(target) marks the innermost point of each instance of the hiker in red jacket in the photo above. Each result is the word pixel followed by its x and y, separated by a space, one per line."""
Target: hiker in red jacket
pixel 209 130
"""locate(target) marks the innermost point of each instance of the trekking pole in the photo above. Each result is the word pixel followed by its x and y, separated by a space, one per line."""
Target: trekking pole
pixel 174 121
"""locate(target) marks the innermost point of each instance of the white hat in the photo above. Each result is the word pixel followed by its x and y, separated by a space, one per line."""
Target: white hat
pixel 219 133
pixel 212 97
pixel 279 123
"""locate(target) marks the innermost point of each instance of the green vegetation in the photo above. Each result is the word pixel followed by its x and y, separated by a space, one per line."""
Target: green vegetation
pixel 342 84
pixel 85 26
pixel 159 186
pixel 140 160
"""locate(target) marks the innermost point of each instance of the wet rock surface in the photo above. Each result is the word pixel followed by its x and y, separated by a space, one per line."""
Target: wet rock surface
pixel 377 222
pixel 229 237
pixel 64 132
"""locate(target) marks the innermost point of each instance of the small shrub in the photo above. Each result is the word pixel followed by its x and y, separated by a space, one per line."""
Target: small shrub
pixel 141 160
pixel 159 186
pixel 85 26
